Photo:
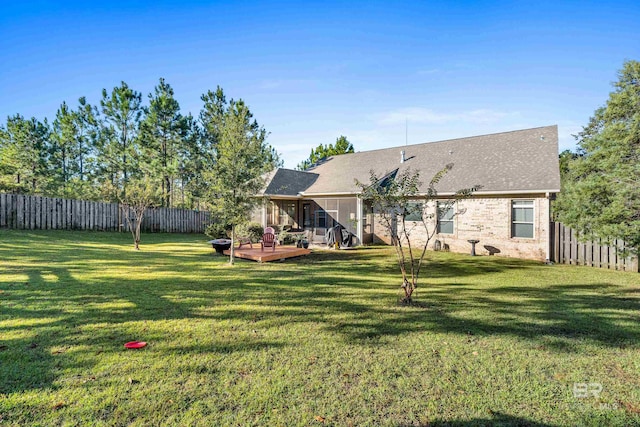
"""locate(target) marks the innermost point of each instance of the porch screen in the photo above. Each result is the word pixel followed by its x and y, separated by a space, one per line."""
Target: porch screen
pixel 330 212
pixel 347 214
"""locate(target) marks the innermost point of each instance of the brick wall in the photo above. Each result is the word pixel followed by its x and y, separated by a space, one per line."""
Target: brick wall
pixel 488 219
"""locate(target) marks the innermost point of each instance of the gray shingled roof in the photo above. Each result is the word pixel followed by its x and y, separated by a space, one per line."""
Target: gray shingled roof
pixel 518 161
pixel 287 182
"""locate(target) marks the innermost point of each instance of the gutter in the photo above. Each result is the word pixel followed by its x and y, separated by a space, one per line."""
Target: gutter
pixel 478 193
pixel 281 196
pixel 502 193
pixel 342 193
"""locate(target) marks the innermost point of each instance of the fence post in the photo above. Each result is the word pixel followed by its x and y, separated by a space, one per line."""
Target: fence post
pixel 3 207
pixel 28 213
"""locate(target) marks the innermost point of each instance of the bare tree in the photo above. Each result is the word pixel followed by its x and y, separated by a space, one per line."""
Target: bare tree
pixel 402 209
pixel 140 195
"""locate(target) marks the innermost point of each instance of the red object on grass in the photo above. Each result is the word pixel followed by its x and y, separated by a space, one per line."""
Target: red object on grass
pixel 135 344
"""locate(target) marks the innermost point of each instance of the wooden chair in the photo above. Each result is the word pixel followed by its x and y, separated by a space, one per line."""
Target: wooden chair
pixel 268 240
pixel 244 241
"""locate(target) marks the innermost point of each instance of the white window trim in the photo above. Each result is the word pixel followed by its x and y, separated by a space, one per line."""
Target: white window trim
pixel 452 220
pixel 511 221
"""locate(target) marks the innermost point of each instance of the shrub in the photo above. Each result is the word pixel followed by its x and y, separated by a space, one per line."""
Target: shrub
pixel 276 228
pixel 218 230
pixel 252 230
pixel 286 238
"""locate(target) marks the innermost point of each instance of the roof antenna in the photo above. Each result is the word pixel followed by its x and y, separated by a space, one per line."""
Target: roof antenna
pixel 406 131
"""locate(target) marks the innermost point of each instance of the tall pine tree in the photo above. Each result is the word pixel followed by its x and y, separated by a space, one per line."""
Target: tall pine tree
pixel 342 146
pixel 62 151
pixel 162 136
pixel 121 112
pixel 23 155
pixel 240 156
pixel 601 191
pixel 88 131
pixel 72 145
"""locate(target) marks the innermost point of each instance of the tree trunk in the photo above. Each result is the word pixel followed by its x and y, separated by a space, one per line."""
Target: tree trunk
pixel 81 156
pixel 232 250
pixel 167 190
pixel 166 183
pixel 408 288
pixel 138 226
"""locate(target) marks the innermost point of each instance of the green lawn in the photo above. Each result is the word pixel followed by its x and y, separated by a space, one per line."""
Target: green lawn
pixel 319 340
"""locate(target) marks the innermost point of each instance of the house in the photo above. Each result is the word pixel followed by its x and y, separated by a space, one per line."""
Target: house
pixel 510 215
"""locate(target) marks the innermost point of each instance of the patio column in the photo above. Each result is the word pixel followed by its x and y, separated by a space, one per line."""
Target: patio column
pixel 264 211
pixel 359 216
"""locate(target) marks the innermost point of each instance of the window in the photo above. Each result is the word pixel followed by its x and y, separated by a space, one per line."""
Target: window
pixel 414 212
pixel 271 213
pixel 522 218
pixel 306 215
pixel 445 218
pixel 321 218
pixel 288 213
pixel 282 220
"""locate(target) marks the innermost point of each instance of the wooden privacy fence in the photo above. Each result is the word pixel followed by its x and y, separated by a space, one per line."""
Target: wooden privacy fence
pixel 566 249
pixel 25 212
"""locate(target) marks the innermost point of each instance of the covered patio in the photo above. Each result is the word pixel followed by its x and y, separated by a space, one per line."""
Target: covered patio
pixel 287 206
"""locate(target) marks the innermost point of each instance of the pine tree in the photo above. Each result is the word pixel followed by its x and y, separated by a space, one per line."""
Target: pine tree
pixel 601 191
pixel 321 152
pixel 240 159
pixel 23 155
pixel 162 136
pixel 119 150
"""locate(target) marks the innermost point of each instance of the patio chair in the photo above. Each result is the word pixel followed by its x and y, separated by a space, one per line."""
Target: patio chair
pixel 268 241
pixel 244 241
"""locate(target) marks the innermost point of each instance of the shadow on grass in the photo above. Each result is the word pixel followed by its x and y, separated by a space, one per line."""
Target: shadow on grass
pixel 347 293
pixel 554 314
pixel 498 419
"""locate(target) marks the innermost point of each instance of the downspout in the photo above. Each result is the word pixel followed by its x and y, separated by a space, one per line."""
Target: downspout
pixel 549 230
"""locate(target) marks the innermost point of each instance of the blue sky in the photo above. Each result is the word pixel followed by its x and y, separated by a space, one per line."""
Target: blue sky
pixel 311 72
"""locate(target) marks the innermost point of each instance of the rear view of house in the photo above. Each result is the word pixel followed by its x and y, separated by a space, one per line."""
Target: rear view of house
pixel 517 171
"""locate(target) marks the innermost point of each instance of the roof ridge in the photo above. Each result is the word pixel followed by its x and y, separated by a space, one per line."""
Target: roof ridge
pixel 294 170
pixel 447 140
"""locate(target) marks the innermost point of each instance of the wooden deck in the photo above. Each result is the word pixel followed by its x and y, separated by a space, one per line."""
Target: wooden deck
pixel 280 252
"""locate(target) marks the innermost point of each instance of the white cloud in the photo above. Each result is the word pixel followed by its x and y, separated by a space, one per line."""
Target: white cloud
pixel 375 131
pixel 286 84
pixel 566 130
pixel 429 116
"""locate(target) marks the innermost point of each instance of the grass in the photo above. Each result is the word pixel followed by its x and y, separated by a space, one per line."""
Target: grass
pixel 319 340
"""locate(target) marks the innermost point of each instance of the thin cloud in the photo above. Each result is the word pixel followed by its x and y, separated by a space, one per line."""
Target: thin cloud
pixel 429 116
pixel 566 132
pixel 285 83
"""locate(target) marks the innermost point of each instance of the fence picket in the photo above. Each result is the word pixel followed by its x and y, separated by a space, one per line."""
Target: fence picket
pixel 568 250
pixel 34 212
pixel 28 217
pixel 3 213
pixel 20 212
pixel 26 212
